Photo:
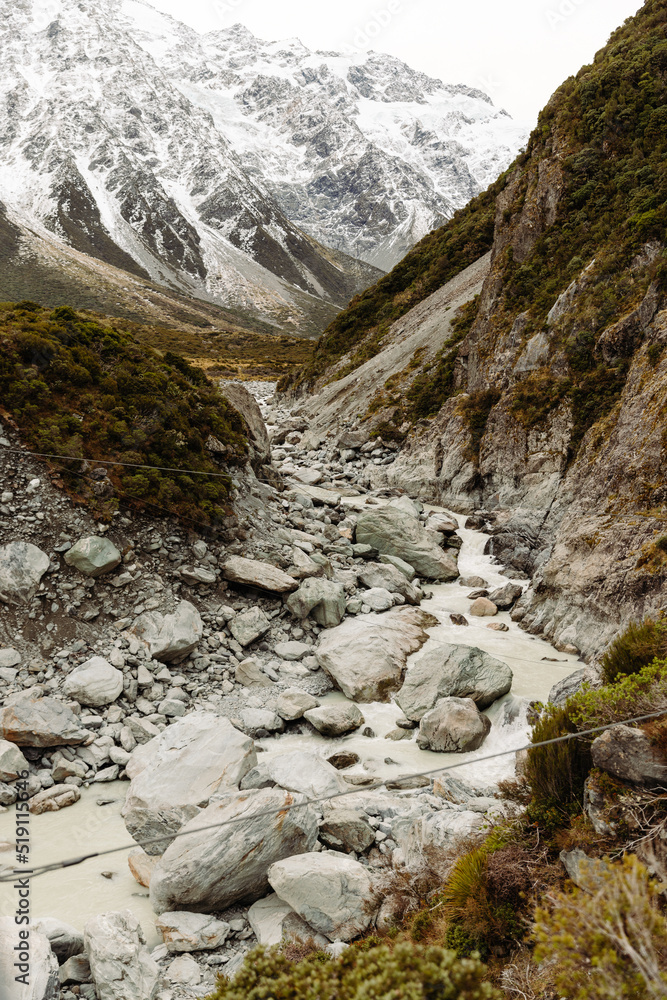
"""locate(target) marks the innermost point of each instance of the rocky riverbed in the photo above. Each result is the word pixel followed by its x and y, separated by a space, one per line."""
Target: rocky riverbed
pixel 154 679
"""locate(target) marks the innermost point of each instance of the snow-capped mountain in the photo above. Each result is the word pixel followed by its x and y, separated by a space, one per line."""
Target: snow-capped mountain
pixel 218 165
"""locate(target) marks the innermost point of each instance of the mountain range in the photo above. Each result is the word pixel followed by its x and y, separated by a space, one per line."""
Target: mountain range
pixel 143 161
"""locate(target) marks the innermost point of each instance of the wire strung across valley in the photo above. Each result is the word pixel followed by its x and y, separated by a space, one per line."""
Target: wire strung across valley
pixel 6 877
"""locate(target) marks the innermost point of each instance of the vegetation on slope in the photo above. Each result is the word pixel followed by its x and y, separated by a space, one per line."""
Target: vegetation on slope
pixel 74 386
pixel 428 266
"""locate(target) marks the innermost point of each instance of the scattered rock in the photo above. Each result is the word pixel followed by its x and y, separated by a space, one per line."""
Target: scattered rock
pixel 292 704
pixel 390 579
pixel 324 599
pixel 378 599
pixel 40 722
pixel 75 970
pixel 184 931
pixel 343 758
pixel 93 556
pixel 250 674
pixel 121 965
pixel 453 671
pixel 395 533
pixel 54 798
pixel 65 940
pixel 250 625
pixel 628 755
pixel 141 865
pixel 252 573
pixel 175 774
pixel 94 682
pixel 405 568
pixel 12 761
pixel 9 658
pixel 459 619
pixel 267 917
pixel 505 597
pixel 184 970
pixel 330 892
pixel 170 638
pixel 213 869
pixel 455 725
pixel 335 720
pixel 498 627
pixel 366 656
pixel 292 650
pixel 590 874
pixel 22 567
pixel 346 828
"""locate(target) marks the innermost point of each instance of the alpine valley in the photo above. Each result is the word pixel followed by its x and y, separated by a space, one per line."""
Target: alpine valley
pixel 143 163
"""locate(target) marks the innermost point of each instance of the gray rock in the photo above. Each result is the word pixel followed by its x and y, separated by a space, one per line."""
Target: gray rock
pixel 292 650
pixel 505 597
pixel 297 771
pixel 406 569
pixel 590 874
pixel 253 573
pixel 293 703
pixel 41 966
pixel 267 918
pixel 94 682
pixel 395 533
pixel 9 658
pixel 246 404
pixel 259 721
pixel 248 626
pixel 439 830
pixel 175 774
pixel 453 671
pixel 64 939
pixel 573 683
pixel 184 931
pixel 629 755
pixel 93 556
pixel 54 798
pixel 120 963
pixel 346 828
pixel 184 971
pixel 324 599
pixel 455 725
pixel 250 674
pixel 12 761
pixel 366 656
pixel 331 892
pixel 389 578
pixel 214 869
pixel 335 720
pixel 378 599
pixel 75 970
pixel 22 567
pixel 31 721
pixel 172 637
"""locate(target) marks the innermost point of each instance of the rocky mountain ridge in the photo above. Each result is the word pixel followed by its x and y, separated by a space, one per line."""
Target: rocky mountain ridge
pixel 542 401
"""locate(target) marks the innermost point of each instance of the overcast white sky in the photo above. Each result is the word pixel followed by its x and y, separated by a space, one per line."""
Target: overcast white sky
pixel 519 51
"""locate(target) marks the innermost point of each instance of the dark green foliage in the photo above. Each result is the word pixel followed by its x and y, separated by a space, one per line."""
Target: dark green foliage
pixel 535 398
pixel 476 410
pixel 366 971
pixel 435 385
pixel 638 646
pixel 428 266
pixel 77 387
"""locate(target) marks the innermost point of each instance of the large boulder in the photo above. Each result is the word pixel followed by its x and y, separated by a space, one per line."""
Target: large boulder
pixel 31 721
pixel 455 725
pixel 332 893
pixel 297 771
pixel 505 597
pixel 253 573
pixel 246 404
pixel 390 578
pixel 176 774
pixel 94 682
pixel 93 556
pixel 37 963
pixel 22 567
pixel 65 940
pixel 396 533
pixel 573 683
pixel 120 963
pixel 210 870
pixel 346 828
pixel 324 599
pixel 453 671
pixel 12 761
pixel 335 720
pixel 366 655
pixel 170 637
pixel 628 755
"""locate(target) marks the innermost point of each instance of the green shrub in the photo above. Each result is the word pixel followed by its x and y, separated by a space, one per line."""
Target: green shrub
pixel 638 646
pixel 376 972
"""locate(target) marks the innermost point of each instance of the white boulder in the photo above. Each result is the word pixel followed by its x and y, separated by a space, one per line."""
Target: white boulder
pixel 94 683
pixel 22 567
pixel 120 963
pixel 170 637
pixel 93 556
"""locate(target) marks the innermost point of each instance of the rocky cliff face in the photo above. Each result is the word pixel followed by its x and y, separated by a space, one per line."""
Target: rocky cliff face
pixel 543 403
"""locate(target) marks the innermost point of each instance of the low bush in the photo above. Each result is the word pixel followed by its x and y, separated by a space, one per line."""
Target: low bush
pixel 638 646
pixel 366 971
